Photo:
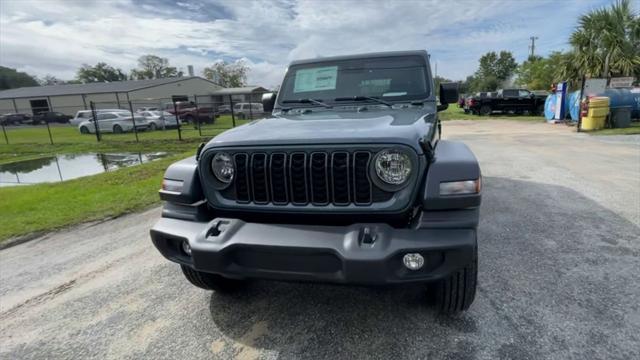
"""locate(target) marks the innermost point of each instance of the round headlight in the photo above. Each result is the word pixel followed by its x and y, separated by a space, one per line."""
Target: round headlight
pixel 222 167
pixel 393 166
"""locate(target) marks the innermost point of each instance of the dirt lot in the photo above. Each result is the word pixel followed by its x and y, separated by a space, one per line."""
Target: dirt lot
pixel 559 261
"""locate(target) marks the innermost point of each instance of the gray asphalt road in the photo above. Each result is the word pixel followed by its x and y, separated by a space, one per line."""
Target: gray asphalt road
pixel 559 277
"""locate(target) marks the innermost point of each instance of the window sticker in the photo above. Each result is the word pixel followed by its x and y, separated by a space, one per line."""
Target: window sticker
pixel 316 79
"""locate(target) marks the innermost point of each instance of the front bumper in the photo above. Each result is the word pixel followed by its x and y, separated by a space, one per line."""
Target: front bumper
pixel 359 254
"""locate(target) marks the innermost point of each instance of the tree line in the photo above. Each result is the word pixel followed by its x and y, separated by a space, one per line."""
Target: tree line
pixel 150 66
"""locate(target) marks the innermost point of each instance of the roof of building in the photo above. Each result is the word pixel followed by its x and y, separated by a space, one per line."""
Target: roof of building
pixel 240 90
pixel 90 88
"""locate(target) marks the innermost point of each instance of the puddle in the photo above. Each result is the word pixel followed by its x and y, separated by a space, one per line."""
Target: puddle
pixel 70 166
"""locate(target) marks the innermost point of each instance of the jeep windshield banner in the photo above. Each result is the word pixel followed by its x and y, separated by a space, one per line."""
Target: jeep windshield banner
pixel 316 79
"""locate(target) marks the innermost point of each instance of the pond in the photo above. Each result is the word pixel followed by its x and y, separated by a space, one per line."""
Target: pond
pixel 69 166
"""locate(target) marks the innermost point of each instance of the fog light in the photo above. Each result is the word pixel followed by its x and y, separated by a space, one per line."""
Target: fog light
pixel 413 261
pixel 186 248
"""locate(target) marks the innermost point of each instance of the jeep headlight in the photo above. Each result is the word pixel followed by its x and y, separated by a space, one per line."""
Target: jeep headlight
pixel 393 166
pixel 222 167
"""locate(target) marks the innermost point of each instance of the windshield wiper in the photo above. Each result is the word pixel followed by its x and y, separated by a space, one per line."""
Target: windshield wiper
pixel 307 101
pixel 363 98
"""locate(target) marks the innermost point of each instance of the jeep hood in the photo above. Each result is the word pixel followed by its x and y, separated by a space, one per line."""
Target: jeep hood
pixel 395 126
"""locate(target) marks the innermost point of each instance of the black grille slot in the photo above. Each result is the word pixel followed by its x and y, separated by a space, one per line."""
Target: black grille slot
pixel 259 178
pixel 242 176
pixel 340 177
pixel 361 182
pixel 302 178
pixel 298 177
pixel 319 179
pixel 278 172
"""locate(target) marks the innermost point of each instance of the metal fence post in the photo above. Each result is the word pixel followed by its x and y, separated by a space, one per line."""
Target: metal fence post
pixel 133 118
pixel 250 107
pixel 46 121
pixel 6 139
pixel 195 102
pixel 175 109
pixel 233 116
pixel 94 116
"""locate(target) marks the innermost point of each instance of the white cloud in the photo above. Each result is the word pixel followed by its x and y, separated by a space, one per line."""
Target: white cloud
pixel 56 37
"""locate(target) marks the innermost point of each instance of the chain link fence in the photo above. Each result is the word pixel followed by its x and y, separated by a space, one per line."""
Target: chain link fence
pixel 174 118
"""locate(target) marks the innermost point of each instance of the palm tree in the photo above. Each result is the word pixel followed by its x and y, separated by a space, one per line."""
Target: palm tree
pixel 607 42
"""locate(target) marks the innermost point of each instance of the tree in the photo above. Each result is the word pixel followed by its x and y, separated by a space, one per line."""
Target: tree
pixel 606 42
pixel 539 73
pixel 101 72
pixel 493 70
pixel 11 78
pixel 227 74
pixel 50 80
pixel 154 67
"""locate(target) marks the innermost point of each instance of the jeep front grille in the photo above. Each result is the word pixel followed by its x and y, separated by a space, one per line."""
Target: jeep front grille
pixel 301 178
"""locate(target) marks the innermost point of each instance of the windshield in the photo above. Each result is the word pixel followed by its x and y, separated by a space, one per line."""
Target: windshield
pixel 389 78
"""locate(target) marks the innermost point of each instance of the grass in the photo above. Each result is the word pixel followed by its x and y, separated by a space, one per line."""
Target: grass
pixel 453 112
pixel 45 207
pixel 634 128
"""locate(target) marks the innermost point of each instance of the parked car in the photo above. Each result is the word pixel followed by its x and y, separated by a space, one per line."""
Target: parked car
pixel 51 117
pixel 248 110
pixel 323 191
pixel 224 109
pixel 509 100
pixel 113 121
pixel 160 119
pixel 189 112
pixel 84 115
pixel 148 108
pixel 15 119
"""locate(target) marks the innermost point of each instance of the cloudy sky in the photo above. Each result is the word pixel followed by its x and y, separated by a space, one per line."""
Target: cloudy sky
pixel 57 37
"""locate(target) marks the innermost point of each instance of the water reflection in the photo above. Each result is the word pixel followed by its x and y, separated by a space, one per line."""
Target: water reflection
pixel 70 166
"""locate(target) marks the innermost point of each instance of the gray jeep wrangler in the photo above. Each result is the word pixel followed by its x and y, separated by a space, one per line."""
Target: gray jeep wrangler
pixel 347 182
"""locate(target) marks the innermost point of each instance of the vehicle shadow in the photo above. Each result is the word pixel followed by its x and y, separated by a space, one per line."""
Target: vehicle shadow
pixel 549 258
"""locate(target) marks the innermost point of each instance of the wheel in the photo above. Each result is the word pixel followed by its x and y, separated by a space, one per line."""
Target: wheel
pixel 485 110
pixel 211 281
pixel 242 116
pixel 84 130
pixel 189 119
pixel 457 292
pixel 540 110
pixel 466 111
pixel 153 126
pixel 117 129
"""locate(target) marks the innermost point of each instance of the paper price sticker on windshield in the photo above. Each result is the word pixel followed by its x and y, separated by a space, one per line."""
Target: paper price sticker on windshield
pixel 316 79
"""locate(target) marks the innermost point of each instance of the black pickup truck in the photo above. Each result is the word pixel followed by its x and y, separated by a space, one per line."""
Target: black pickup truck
pixel 509 100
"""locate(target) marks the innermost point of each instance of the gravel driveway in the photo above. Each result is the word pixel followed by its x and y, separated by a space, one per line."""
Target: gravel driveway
pixel 559 278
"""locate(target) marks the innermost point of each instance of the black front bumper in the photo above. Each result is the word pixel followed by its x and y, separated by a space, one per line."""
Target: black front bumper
pixel 359 253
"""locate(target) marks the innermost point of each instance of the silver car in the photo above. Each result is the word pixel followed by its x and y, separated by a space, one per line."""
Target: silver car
pixel 83 115
pixel 113 121
pixel 160 119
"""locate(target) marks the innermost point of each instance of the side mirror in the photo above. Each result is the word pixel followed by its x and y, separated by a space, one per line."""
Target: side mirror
pixel 268 101
pixel 449 93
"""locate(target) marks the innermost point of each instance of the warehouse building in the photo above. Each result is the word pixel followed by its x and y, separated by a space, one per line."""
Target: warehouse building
pixel 70 98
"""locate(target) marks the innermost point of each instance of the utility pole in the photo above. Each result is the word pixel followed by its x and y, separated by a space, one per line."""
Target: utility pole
pixel 533 45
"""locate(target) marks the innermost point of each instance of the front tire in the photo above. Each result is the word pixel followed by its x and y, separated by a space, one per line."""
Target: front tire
pixel 485 110
pixel 117 129
pixel 457 292
pixel 153 126
pixel 84 130
pixel 209 281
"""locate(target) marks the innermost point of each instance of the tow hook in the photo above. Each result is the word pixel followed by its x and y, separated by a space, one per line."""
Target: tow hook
pixel 366 237
pixel 216 229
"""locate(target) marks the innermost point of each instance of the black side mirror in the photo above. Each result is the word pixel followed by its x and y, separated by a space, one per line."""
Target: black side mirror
pixel 449 93
pixel 268 101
